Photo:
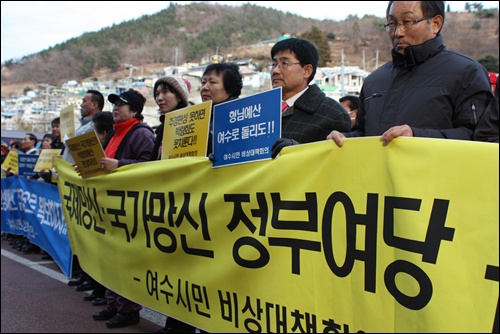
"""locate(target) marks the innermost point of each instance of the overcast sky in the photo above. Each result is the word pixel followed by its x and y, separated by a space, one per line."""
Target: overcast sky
pixel 32 26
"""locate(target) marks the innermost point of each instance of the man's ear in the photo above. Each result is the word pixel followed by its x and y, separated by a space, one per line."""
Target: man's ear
pixel 437 23
pixel 308 69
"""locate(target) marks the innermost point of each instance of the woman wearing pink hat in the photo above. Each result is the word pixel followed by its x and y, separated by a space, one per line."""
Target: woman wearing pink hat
pixel 170 93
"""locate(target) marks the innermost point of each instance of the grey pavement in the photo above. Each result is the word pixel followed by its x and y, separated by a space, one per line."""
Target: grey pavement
pixel 37 299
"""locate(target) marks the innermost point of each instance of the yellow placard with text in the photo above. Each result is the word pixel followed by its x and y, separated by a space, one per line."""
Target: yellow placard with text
pixel 67 117
pixel 185 133
pixel 87 152
pixel 363 238
pixel 45 159
pixel 11 162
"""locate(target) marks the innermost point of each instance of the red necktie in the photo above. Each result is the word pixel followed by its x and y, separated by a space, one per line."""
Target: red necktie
pixel 284 105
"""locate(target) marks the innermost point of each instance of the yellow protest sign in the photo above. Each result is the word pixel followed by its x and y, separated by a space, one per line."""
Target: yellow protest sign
pixel 45 159
pixel 185 133
pixel 11 162
pixel 87 152
pixel 67 118
pixel 363 238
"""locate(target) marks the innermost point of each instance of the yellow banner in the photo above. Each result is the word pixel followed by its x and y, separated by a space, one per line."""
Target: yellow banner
pixel 403 238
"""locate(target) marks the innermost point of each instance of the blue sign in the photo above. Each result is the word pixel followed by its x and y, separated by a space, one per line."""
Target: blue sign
pixel 245 129
pixel 26 164
pixel 34 209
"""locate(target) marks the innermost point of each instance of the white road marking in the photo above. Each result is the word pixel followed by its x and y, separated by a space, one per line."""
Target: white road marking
pixel 146 313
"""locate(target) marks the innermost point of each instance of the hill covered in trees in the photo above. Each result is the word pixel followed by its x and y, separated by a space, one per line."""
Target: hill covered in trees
pixel 189 33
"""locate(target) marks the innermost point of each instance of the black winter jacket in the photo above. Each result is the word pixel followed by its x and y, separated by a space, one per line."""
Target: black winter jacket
pixel 313 116
pixel 437 92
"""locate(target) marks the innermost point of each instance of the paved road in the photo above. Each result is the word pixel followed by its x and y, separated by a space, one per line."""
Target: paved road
pixel 37 299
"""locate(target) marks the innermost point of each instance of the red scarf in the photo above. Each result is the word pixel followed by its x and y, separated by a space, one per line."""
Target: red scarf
pixel 121 129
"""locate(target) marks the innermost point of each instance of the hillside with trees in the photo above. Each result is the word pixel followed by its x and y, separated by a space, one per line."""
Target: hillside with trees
pixel 189 33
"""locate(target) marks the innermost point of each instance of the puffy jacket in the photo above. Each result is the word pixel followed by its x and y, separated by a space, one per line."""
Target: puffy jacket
pixel 136 146
pixel 437 92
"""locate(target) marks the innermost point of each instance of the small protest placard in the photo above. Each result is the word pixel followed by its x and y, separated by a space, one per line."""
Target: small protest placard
pixel 87 152
pixel 67 118
pixel 45 159
pixel 245 129
pixel 26 163
pixel 10 162
pixel 185 133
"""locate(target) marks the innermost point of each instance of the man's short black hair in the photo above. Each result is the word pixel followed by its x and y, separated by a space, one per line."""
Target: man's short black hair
pixel 429 9
pixel 32 137
pixel 353 101
pixel 97 97
pixel 305 51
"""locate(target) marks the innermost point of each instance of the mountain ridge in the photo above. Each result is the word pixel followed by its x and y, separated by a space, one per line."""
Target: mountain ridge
pixel 182 33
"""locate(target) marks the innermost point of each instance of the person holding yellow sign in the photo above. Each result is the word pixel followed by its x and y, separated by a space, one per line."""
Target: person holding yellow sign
pixel 45 175
pixel 170 93
pixel 131 141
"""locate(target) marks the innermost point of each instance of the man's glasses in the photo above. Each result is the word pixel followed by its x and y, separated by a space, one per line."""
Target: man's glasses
pixel 283 65
pixel 406 25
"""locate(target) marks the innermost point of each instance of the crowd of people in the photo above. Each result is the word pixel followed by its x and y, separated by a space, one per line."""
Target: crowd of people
pixel 29 145
pixel 426 90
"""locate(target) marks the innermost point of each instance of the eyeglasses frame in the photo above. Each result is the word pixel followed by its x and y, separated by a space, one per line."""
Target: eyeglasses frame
pixel 401 25
pixel 284 65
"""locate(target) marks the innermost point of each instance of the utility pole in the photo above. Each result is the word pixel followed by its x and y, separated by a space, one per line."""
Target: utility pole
pixel 363 61
pixel 342 75
pixel 45 120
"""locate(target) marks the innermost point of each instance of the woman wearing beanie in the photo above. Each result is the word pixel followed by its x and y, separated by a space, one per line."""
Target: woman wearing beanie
pixel 170 93
pixel 130 141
